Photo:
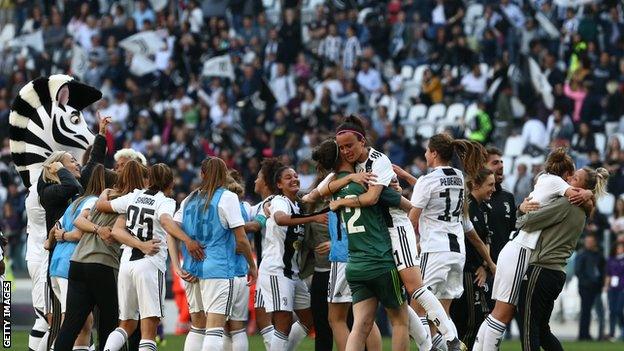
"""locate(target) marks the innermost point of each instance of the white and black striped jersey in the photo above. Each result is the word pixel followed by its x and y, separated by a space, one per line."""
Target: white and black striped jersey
pixel 440 195
pixel 143 209
pixel 379 164
pixel 282 244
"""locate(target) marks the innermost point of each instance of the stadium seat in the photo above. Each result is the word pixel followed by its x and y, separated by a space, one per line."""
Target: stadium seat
pixel 601 142
pixel 426 130
pixel 485 69
pixel 410 89
pixel 407 72
pixel 418 73
pixel 436 112
pixel 471 113
pixel 455 112
pixel 606 204
pixel 507 165
pixel 416 114
pixel 514 145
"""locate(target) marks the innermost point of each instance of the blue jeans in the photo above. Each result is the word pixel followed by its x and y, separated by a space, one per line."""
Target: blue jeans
pixel 616 311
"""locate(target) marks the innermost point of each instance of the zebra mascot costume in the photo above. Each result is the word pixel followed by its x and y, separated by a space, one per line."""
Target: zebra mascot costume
pixel 45 117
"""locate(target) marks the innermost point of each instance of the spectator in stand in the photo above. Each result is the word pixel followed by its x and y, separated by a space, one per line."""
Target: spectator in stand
pixel 482 129
pixel 585 142
pixel 283 86
pixel 576 90
pixel 431 88
pixel 351 50
pixel 330 47
pixel 614 285
pixel 368 78
pixel 589 269
pixel 521 183
pixel 474 84
pixel 534 135
pixel 617 222
pixel 559 128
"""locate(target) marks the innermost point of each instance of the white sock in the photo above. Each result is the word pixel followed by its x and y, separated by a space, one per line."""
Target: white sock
pixel 43 344
pixel 267 335
pixel 425 323
pixel 439 343
pixel 39 329
pixel 239 340
pixel 478 345
pixel 435 312
pixel 227 341
pixel 417 330
pixel 494 332
pixel 194 339
pixel 213 341
pixel 279 342
pixel 81 348
pixel 116 340
pixel 147 345
pixel 298 332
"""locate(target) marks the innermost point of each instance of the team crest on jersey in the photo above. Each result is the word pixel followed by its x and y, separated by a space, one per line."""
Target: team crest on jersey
pixel 297 245
pixel 507 209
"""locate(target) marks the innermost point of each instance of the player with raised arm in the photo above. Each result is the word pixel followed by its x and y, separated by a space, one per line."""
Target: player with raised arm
pixel 351 140
pixel 438 201
pixel 148 219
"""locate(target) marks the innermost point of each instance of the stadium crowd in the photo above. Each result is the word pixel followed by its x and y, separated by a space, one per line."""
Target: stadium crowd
pixel 300 66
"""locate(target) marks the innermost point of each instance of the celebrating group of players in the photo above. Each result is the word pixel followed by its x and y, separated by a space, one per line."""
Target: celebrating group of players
pixel 425 260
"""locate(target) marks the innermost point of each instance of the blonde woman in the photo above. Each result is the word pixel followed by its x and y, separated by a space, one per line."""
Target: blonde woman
pixel 57 186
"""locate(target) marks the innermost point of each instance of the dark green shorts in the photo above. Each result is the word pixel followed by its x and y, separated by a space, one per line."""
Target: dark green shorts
pixel 386 288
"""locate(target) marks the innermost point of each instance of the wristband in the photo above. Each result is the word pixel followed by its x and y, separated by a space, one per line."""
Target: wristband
pixel 261 220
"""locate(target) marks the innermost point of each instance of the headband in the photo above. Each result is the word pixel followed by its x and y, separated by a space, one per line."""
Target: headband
pixel 351 131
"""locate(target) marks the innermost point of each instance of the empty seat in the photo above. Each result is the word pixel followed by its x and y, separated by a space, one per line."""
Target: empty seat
pixel 407 72
pixel 514 145
pixel 416 113
pixel 426 130
pixel 436 112
pixel 455 112
pixel 507 165
pixel 419 72
pixel 606 204
pixel 601 142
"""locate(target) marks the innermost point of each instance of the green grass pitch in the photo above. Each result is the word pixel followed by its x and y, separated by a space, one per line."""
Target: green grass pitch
pixel 175 343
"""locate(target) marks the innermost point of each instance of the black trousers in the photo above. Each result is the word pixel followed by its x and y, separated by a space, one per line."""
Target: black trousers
pixel 90 285
pixel 324 337
pixel 588 298
pixel 470 310
pixel 537 299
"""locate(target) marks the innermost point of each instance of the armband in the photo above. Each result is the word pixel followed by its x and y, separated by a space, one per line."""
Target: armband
pixel 261 220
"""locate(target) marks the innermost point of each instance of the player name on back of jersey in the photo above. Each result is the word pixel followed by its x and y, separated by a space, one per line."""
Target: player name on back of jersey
pixel 145 200
pixel 450 181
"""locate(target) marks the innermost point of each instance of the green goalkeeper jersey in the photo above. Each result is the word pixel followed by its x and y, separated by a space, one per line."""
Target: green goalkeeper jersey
pixel 370 250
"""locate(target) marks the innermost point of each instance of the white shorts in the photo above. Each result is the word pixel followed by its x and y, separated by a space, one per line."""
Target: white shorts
pixel 193 296
pixel 284 294
pixel 443 273
pixel 513 261
pixel 258 300
pixel 141 290
pixel 217 295
pixel 338 289
pixel 59 287
pixel 404 248
pixel 38 283
pixel 240 303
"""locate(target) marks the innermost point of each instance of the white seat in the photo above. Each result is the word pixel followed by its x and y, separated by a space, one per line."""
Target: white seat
pixel 436 112
pixel 514 145
pixel 601 142
pixel 455 112
pixel 606 204
pixel 419 72
pixel 485 69
pixel 416 114
pixel 507 165
pixel 407 72
pixel 426 130
pixel 471 113
pixel 402 111
pixel 410 89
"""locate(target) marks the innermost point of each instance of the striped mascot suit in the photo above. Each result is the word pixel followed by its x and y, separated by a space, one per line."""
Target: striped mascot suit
pixel 45 117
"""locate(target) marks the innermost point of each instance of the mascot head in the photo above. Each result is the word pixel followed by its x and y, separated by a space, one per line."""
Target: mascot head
pixel 45 117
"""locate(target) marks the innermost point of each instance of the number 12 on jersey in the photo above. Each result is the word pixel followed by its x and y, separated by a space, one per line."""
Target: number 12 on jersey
pixel 352 228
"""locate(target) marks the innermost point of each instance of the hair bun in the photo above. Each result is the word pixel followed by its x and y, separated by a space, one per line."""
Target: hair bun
pixel 602 173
